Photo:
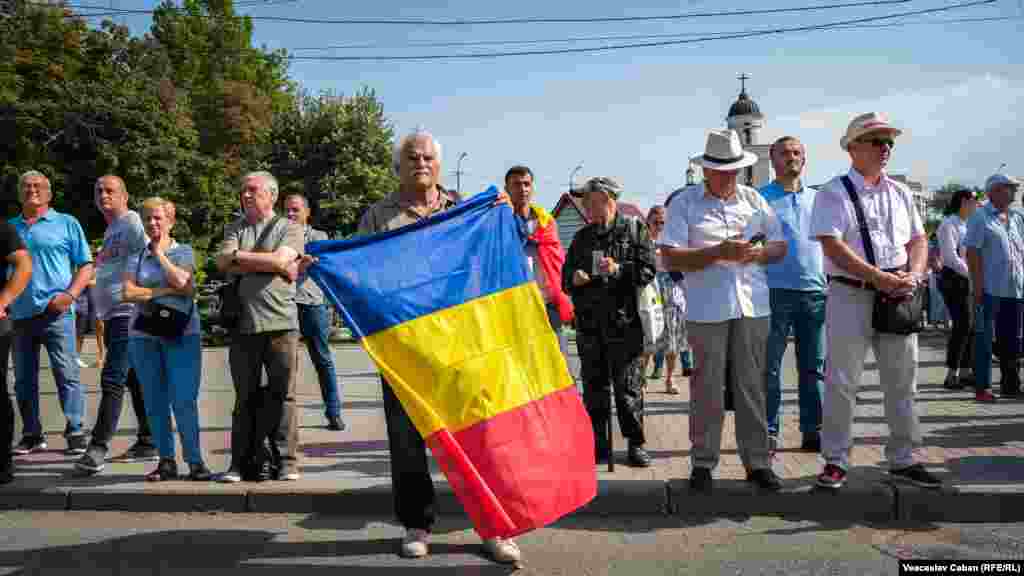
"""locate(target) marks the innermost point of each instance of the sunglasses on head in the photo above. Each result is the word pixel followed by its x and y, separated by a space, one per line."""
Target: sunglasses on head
pixel 879 142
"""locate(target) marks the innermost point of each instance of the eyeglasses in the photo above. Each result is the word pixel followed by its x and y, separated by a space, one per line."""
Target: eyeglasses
pixel 879 142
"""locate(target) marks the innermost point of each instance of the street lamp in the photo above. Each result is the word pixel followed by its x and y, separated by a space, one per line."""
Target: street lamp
pixel 458 174
pixel 572 175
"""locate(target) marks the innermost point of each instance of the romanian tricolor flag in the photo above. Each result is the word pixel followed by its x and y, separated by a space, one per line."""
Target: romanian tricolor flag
pixel 447 310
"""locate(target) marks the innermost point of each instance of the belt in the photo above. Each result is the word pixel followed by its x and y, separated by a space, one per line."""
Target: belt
pixel 862 284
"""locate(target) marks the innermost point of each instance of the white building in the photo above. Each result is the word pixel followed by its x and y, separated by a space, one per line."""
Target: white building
pixel 746 119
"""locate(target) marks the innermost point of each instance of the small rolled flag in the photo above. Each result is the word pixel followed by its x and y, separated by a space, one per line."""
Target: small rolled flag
pixel 448 312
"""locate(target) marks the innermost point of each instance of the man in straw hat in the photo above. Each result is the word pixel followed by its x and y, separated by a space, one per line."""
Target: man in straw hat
pixel 608 260
pixel 899 249
pixel 722 234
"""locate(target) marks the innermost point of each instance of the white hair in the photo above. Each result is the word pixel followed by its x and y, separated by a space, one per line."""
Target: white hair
pixel 396 156
pixel 269 182
pixel 32 174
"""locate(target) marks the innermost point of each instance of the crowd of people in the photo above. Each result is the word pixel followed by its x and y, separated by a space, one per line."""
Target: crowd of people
pixel 739 271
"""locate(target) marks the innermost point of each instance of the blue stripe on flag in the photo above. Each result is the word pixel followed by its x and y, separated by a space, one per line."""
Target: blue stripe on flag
pixel 472 250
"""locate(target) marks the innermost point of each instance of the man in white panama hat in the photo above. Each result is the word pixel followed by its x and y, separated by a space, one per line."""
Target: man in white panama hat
pixel 722 234
pixel 894 263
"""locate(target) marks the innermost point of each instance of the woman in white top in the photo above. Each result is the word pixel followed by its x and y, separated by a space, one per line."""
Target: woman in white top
pixel 954 283
pixel 673 296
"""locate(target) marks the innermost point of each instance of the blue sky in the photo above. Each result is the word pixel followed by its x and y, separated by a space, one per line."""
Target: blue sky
pixel 639 114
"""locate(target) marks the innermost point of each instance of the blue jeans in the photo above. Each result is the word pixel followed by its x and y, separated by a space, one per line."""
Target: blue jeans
pixel 315 326
pixel 116 376
pixel 804 313
pixel 170 372
pixel 1001 317
pixel 57 334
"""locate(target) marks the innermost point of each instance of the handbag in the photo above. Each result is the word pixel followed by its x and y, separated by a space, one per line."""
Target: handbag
pixel 229 314
pixel 889 315
pixel 158 319
pixel 649 306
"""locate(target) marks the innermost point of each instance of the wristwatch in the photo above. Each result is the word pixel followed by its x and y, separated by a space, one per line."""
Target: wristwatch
pixel 234 258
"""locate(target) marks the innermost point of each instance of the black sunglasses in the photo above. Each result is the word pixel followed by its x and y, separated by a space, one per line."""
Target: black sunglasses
pixel 879 142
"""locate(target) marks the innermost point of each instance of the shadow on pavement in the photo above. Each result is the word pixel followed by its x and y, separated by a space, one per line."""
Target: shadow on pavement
pixel 237 552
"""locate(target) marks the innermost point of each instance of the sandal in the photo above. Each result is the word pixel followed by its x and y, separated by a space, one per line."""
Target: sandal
pixel 165 470
pixel 671 388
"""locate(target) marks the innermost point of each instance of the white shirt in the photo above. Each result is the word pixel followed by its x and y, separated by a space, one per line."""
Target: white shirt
pixel 891 218
pixel 725 290
pixel 951 236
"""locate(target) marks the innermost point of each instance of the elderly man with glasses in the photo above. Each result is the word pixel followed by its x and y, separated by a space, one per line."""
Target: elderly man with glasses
pixel 891 260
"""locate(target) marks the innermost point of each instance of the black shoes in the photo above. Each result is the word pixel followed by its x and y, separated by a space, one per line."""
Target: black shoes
pixel 700 481
pixel 28 445
pixel 638 457
pixel 917 476
pixel 765 479
pixel 165 470
pixel 76 445
pixel 199 472
pixel 335 423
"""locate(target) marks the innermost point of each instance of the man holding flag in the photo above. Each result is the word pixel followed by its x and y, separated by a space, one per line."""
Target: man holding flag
pixel 544 253
pixel 456 325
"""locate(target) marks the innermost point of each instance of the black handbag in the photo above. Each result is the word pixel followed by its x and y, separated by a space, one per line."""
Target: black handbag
pixel 890 315
pixel 229 315
pixel 158 319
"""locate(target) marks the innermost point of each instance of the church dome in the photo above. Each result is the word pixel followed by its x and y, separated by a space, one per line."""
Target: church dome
pixel 744 106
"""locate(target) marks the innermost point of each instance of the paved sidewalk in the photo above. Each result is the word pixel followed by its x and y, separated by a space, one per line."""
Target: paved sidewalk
pixel 977 449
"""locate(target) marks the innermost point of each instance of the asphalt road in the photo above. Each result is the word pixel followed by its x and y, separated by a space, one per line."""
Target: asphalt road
pixel 87 544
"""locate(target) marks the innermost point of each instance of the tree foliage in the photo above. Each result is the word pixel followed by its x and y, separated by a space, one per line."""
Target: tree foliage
pixel 181 112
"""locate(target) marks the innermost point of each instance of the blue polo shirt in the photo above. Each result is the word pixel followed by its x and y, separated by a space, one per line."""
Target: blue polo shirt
pixel 1001 247
pixel 802 268
pixel 58 246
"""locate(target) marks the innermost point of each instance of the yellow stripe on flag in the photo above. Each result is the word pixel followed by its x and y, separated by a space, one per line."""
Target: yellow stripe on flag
pixel 472 361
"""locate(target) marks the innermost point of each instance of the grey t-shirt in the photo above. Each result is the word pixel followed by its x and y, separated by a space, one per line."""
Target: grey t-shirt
pixel 268 300
pixel 123 240
pixel 306 291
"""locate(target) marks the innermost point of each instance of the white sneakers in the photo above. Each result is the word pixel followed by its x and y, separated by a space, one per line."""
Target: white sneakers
pixel 502 551
pixel 414 545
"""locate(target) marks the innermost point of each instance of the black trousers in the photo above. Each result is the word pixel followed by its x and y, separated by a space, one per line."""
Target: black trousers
pixel 607 365
pixel 6 406
pixel 411 485
pixel 955 291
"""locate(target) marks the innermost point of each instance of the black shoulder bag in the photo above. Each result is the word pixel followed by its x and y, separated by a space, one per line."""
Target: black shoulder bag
pixel 230 312
pixel 890 315
pixel 158 319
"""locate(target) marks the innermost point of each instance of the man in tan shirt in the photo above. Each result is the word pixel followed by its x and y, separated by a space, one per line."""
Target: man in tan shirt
pixel 417 161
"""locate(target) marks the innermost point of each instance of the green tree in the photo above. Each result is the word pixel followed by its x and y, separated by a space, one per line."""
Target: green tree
pixel 336 150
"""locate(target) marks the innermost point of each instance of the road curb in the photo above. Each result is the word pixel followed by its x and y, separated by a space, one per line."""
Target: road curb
pixel 969 503
pixel 873 502
pixel 142 501
pixel 21 499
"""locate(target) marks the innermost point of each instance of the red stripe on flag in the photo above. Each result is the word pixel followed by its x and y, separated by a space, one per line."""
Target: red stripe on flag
pixel 536 460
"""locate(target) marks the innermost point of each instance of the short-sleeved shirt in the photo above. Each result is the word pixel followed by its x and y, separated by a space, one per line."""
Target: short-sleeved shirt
pixel 802 268
pixel 889 211
pixel 390 213
pixel 58 247
pixel 10 243
pixel 123 240
pixel 724 290
pixel 1001 247
pixel 268 300
pixel 148 273
pixel 306 291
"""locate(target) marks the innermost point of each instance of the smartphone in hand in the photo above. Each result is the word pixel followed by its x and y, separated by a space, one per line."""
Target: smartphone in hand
pixel 757 239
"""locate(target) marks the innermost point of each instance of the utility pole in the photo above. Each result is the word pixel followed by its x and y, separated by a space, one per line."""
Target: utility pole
pixel 572 175
pixel 458 174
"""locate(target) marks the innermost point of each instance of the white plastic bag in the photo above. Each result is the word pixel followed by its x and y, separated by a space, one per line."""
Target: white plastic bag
pixel 652 314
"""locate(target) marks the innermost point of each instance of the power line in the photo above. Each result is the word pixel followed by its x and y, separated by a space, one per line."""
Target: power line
pixel 528 20
pixel 653 44
pixel 573 40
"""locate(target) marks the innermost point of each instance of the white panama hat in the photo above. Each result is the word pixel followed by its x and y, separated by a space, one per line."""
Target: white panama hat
pixel 723 152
